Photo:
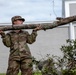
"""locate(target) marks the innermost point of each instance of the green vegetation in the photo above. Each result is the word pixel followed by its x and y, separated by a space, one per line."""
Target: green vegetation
pixel 35 73
pixel 69 57
pixel 66 65
pixel 2 74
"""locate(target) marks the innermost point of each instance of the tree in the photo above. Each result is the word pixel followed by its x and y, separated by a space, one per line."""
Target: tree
pixel 69 52
pixel 62 66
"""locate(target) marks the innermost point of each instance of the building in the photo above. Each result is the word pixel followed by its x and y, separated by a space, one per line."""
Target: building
pixel 68 9
pixel 49 41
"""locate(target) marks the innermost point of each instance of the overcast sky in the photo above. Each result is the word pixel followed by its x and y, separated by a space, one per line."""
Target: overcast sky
pixel 31 10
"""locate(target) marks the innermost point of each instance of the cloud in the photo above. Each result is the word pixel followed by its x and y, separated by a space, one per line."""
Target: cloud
pixel 32 10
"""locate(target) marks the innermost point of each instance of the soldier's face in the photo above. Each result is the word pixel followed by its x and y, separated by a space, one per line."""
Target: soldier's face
pixel 18 22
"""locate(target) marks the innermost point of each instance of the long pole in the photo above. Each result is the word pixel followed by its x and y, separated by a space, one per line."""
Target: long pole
pixel 44 26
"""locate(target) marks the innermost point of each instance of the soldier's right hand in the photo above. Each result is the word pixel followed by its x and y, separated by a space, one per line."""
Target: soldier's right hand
pixel 1 32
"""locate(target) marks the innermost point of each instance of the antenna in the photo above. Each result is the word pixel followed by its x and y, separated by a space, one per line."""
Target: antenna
pixel 54 8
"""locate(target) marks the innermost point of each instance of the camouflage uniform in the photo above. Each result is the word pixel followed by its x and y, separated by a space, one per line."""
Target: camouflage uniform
pixel 20 56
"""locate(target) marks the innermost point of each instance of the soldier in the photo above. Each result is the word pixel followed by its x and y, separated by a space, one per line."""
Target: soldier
pixel 20 56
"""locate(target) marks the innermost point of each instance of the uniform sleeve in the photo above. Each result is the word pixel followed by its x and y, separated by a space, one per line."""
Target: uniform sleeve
pixel 31 38
pixel 6 39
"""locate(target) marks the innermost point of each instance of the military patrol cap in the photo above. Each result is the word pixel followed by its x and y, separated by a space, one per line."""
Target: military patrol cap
pixel 17 18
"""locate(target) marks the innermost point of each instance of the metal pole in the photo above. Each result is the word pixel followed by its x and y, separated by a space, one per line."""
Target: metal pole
pixel 71 32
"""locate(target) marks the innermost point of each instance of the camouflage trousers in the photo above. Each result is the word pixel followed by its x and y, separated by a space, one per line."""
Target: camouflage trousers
pixel 14 66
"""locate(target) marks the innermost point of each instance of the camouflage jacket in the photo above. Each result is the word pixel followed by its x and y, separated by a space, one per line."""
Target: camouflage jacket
pixel 18 43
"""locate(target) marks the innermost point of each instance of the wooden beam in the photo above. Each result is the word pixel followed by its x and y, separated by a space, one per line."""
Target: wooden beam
pixel 44 26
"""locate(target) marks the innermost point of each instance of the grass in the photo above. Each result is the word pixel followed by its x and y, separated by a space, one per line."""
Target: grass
pixel 36 73
pixel 2 74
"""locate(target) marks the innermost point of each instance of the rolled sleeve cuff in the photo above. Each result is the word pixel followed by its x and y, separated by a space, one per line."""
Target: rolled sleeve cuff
pixel 34 32
pixel 2 35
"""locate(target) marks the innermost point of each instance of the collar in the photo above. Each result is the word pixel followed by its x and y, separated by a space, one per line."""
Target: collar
pixel 14 31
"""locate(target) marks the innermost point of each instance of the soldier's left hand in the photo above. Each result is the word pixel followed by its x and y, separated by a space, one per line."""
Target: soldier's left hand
pixel 37 28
